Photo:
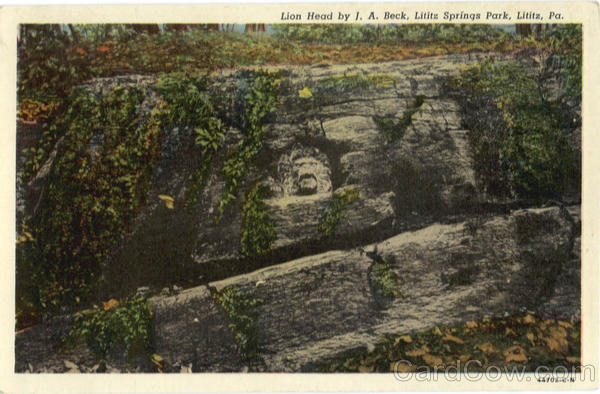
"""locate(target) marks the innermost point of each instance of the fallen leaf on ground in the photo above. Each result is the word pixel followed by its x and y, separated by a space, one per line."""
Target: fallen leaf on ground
pixel 401 367
pixel 509 332
pixel 418 352
pixel 529 319
pixel 516 354
pixel 558 345
pixel 565 324
pixel 464 358
pixel 403 338
pixel 454 339
pixel 487 348
pixel 432 360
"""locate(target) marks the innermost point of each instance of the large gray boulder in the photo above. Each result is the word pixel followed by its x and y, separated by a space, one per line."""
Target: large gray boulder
pixel 321 306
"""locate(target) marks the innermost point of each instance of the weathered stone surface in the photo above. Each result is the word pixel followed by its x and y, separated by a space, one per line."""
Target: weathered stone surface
pixel 38 349
pixel 317 297
pixel 191 329
pixel 319 306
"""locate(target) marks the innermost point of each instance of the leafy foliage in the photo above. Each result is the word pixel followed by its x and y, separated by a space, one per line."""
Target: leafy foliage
pixel 524 342
pixel 355 80
pixel 519 133
pixel 48 66
pixel 335 211
pixel 394 130
pixel 123 329
pixel 242 312
pixel 259 101
pixel 393 34
pixel 191 105
pixel 100 176
pixel 383 280
pixel 258 230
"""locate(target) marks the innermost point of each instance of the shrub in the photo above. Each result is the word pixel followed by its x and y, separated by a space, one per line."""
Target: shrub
pixel 518 133
pixel 383 280
pixel 118 329
pixel 258 230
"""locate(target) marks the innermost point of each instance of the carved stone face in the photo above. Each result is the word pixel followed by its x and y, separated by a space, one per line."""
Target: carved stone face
pixel 304 171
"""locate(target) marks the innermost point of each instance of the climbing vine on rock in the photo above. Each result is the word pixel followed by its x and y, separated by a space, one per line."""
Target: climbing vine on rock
pixel 258 229
pixel 100 177
pixel 336 210
pixel 191 105
pixel 383 280
pixel 243 314
pixel 260 101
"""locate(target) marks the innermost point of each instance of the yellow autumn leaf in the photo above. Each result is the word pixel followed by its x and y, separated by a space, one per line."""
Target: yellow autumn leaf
pixel 565 324
pixel 403 338
pixel 509 332
pixel 573 360
pixel 25 236
pixel 401 367
pixel 557 344
pixel 110 304
pixel 157 361
pixel 305 93
pixel 418 352
pixel 454 339
pixel 529 319
pixel 365 368
pixel 437 331
pixel 557 332
pixel 515 353
pixel 471 324
pixel 487 348
pixel 168 200
pixel 156 357
pixel 464 358
pixel 531 338
pixel 432 360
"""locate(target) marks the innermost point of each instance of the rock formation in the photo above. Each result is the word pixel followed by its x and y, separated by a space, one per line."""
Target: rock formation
pixel 388 132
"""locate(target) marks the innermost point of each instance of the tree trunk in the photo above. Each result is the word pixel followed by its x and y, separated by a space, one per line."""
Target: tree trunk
pixel 74 33
pixel 523 29
pixel 177 27
pixel 146 28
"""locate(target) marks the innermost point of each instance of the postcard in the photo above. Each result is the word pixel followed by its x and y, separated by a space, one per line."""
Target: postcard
pixel 300 197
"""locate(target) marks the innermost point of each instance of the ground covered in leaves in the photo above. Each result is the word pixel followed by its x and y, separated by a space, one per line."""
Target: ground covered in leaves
pixel 524 343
